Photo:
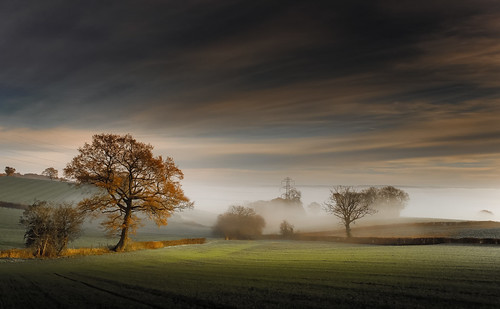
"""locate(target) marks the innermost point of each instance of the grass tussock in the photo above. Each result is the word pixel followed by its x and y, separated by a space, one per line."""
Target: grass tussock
pixel 134 246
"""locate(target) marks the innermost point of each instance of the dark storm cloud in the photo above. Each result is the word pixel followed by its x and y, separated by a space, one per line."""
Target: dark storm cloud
pixel 171 57
pixel 404 79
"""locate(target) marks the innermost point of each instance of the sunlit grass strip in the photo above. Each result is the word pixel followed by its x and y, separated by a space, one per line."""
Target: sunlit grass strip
pixel 135 246
pixel 17 254
pixel 166 243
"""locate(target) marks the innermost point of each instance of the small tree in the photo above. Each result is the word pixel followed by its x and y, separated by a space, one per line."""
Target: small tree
pixel 50 172
pixel 286 229
pixel 131 180
pixel 50 227
pixel 9 170
pixel 239 222
pixel 348 205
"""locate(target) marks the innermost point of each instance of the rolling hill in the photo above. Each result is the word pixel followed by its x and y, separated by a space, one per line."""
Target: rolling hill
pixel 25 191
pixel 19 192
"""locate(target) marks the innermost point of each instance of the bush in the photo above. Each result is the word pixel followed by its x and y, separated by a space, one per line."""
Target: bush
pixel 286 229
pixel 50 227
pixel 239 223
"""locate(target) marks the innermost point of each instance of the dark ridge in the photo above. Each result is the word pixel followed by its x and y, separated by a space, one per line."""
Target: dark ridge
pixel 13 205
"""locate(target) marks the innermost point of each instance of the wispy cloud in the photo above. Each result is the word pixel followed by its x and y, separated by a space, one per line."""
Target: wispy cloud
pixel 351 88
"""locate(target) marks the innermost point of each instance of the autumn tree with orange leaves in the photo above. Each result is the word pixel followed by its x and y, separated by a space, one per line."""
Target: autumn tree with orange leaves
pixel 131 180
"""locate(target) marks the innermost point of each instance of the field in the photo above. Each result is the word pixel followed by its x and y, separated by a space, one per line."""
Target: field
pixel 261 274
pixel 25 191
pixel 12 233
pixel 249 274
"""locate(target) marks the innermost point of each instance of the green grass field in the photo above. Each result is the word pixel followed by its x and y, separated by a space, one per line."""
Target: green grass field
pixel 26 191
pixel 261 274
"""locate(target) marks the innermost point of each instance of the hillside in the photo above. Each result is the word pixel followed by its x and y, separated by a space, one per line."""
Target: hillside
pixel 25 191
pixel 17 191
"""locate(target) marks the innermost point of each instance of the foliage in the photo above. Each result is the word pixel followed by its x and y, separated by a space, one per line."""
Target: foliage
pixel 239 222
pixel 388 201
pixel 49 228
pixel 50 172
pixel 286 229
pixel 132 181
pixel 9 170
pixel 348 205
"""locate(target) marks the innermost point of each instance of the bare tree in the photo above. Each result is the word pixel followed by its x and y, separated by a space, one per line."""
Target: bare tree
pixel 9 170
pixel 132 181
pixel 49 227
pixel 348 205
pixel 50 172
pixel 239 222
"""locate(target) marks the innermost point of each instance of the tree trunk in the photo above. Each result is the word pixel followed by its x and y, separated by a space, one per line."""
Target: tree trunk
pixel 348 229
pixel 120 246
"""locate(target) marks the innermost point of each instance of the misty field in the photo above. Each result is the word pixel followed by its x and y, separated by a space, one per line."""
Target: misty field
pixel 255 274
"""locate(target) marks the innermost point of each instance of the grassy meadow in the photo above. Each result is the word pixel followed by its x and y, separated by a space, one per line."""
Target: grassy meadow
pixel 26 191
pixel 260 274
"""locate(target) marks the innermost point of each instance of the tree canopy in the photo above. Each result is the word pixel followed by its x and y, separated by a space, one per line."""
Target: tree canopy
pixel 9 170
pixel 132 181
pixel 388 201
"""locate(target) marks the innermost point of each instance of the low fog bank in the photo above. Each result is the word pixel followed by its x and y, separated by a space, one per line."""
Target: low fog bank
pixel 424 205
pixel 454 203
pixel 424 202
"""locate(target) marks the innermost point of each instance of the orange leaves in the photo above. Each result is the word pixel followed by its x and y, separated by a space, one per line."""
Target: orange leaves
pixel 132 179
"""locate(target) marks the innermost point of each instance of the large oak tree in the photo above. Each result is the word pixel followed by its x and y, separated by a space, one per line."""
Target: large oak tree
pixel 132 181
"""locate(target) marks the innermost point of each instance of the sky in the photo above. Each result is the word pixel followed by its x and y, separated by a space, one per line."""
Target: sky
pixel 245 93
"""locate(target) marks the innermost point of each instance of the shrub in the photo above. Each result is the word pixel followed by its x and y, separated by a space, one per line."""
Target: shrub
pixel 50 227
pixel 286 229
pixel 239 223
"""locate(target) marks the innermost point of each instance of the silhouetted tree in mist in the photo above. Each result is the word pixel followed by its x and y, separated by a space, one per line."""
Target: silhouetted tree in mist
pixel 314 207
pixel 388 201
pixel 348 205
pixel 286 229
pixel 239 222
